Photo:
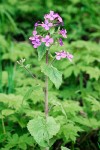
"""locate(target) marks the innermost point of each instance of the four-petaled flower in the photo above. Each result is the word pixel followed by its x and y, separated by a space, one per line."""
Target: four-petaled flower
pixel 63 32
pixel 36 42
pixel 46 25
pixel 51 15
pixel 35 39
pixel 47 40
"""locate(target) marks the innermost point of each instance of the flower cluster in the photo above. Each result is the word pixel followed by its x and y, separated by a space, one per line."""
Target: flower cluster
pixel 63 54
pixel 51 20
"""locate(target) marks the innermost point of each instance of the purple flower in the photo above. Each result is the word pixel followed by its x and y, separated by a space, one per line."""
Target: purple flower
pixel 58 55
pixel 63 33
pixel 51 15
pixel 60 41
pixel 47 40
pixel 46 25
pixel 63 54
pixel 36 24
pixel 36 43
pixel 59 18
pixel 35 39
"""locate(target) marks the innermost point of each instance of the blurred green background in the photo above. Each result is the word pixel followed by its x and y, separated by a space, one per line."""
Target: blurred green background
pixel 79 94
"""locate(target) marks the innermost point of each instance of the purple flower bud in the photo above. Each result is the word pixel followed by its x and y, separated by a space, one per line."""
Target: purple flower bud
pixel 36 24
pixel 60 41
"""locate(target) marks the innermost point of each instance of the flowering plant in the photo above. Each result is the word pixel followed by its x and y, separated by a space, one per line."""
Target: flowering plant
pixel 44 128
pixel 52 20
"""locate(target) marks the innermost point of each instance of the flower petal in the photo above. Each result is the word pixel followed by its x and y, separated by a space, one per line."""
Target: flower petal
pixel 58 57
pixel 47 44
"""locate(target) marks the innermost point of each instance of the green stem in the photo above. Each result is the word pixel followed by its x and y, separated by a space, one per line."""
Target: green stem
pixel 34 77
pixel 29 72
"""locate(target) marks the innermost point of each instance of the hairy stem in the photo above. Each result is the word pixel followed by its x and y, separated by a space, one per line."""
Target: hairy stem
pixel 46 93
pixel 46 90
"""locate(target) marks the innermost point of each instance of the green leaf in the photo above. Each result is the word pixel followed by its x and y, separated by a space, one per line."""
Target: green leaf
pixel 7 112
pixel 37 129
pixel 22 146
pixel 43 130
pixel 52 127
pixel 64 148
pixel 41 51
pixel 54 75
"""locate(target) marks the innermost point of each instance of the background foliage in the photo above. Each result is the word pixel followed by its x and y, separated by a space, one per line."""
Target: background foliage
pixel 76 105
